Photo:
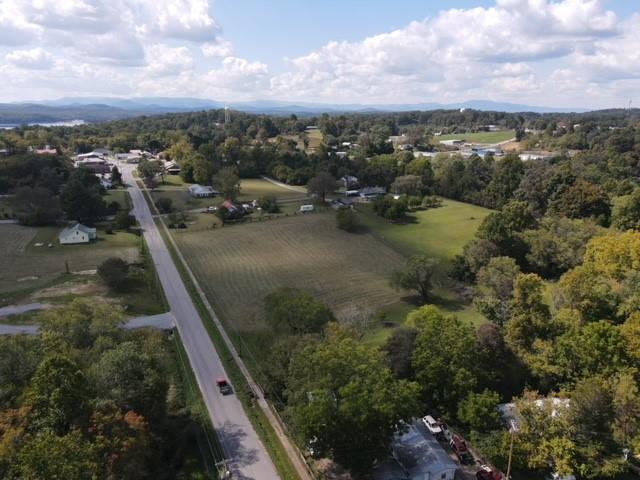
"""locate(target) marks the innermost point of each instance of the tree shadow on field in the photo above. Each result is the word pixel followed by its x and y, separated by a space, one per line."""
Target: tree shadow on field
pixel 449 304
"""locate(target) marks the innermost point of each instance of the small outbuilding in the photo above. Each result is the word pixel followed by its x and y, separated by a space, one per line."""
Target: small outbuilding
pixel 77 233
pixel 201 191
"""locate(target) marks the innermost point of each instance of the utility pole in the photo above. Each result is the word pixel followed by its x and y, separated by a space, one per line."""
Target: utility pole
pixel 512 430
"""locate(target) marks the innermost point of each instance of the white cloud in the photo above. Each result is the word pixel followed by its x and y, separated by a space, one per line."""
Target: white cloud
pixel 164 60
pixel 559 52
pixel 35 58
pixel 220 48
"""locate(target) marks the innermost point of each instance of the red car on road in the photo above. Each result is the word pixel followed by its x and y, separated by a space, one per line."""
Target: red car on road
pixel 224 386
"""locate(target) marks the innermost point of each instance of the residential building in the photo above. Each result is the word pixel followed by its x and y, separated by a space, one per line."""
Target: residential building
pixel 369 193
pixel 201 191
pixel 418 456
pixel 77 233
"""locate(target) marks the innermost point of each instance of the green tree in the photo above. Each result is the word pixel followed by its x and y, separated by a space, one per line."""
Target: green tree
pixel 82 322
pixel 114 272
pixel 322 184
pixel 346 220
pixel 164 205
pixel 116 176
pixel 558 244
pixel 227 182
pixel 132 380
pixel 505 181
pixel 530 315
pixel 479 411
pixel 418 274
pixel 504 229
pixel 390 208
pixel 81 197
pixel 399 351
pixel 58 396
pixel 626 212
pixel 408 185
pixel 341 389
pixel 124 220
pixel 56 457
pixel 294 311
pixel 478 253
pixel 36 206
pixel 149 170
pixel 19 358
pixel 495 283
pixel 444 360
pixel 582 200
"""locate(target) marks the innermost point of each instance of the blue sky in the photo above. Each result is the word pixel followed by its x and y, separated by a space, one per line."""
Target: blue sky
pixel 565 53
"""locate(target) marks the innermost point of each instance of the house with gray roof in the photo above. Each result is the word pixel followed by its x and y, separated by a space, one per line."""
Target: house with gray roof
pixel 417 455
pixel 77 233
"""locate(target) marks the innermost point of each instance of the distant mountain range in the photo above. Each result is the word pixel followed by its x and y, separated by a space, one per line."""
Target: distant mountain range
pixel 100 109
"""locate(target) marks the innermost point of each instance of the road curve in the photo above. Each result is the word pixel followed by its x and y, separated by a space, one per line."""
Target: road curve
pixel 249 458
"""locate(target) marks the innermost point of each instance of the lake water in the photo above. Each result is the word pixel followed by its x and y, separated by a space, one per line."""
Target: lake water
pixel 68 123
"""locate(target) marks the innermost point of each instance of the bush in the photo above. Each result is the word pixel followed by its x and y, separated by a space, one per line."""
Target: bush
pixel 268 204
pixel 389 208
pixel 113 271
pixel 430 201
pixel 346 220
pixel 113 207
pixel 124 221
pixel 164 205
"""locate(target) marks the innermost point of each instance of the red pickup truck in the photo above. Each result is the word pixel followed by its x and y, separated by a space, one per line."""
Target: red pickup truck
pixel 224 386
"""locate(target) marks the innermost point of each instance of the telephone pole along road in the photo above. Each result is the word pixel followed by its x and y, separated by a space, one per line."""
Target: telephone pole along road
pixel 242 446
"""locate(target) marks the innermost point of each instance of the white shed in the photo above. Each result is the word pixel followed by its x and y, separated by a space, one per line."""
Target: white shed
pixel 78 233
pixel 201 191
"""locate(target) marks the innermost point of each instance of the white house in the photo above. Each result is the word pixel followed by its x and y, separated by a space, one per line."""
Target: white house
pixel 201 191
pixel 78 233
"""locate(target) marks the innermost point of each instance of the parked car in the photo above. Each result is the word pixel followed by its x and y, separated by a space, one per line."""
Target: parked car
pixel 432 425
pixel 224 386
pixel 212 209
pixel 487 473
pixel 459 447
pixel 446 433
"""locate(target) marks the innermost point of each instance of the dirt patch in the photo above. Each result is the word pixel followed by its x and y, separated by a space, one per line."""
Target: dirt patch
pixel 512 146
pixel 89 289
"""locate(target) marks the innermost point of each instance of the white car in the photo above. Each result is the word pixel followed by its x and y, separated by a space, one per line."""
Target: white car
pixel 432 425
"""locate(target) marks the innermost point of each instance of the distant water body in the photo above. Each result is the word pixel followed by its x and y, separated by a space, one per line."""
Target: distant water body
pixel 69 123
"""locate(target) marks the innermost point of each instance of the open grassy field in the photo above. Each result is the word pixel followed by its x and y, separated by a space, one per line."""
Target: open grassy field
pixel 315 138
pixel 439 232
pixel 238 266
pixel 23 265
pixel 480 137
pixel 119 195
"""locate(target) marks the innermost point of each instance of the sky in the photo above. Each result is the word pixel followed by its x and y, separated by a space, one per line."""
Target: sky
pixel 553 53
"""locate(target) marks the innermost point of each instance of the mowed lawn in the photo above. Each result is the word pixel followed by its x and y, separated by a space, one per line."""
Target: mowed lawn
pixel 23 265
pixel 239 265
pixel 480 137
pixel 438 232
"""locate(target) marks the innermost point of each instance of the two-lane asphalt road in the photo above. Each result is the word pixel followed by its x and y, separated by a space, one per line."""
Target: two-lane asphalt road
pixel 249 458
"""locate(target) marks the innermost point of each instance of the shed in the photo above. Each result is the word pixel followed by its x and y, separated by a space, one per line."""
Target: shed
pixel 77 233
